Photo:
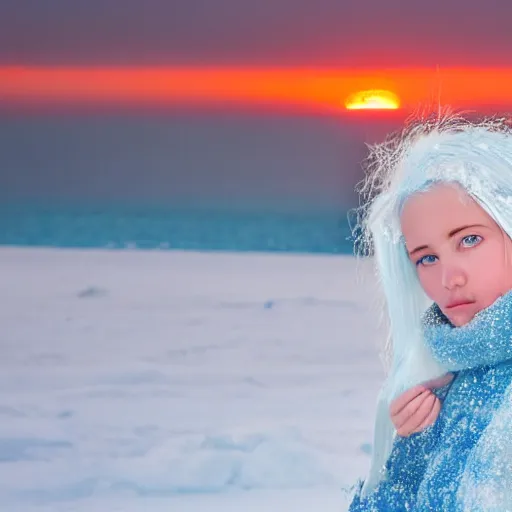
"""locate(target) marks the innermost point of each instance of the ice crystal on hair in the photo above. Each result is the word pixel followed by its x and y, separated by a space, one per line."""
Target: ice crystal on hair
pixel 423 143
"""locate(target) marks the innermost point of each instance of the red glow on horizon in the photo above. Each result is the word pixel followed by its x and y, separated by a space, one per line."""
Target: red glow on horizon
pixel 317 89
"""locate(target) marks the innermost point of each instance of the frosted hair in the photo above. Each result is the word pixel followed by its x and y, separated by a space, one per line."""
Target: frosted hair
pixel 446 149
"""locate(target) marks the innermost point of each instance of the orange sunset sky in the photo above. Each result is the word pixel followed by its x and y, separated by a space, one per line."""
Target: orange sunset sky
pixel 291 54
pixel 296 88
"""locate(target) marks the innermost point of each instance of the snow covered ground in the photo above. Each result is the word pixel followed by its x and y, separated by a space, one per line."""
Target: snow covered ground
pixel 152 381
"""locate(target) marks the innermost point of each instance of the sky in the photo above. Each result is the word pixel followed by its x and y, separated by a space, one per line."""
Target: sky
pixel 230 158
pixel 334 33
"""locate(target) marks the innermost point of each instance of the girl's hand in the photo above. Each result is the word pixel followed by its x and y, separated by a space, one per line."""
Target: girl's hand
pixel 418 407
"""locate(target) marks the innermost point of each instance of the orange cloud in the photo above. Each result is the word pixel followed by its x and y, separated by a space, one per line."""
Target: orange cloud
pixel 318 89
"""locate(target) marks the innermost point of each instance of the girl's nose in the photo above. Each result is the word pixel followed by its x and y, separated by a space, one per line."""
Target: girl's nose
pixel 453 278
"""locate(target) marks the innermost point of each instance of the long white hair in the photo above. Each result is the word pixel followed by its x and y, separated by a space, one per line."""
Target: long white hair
pixel 442 149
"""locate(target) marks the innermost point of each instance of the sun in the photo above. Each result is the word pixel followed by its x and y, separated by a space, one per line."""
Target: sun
pixel 376 99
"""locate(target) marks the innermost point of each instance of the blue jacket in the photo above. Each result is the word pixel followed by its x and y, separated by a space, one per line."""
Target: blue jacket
pixel 458 463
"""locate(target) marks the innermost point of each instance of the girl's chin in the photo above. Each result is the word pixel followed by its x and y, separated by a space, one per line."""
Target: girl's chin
pixel 459 322
pixel 461 317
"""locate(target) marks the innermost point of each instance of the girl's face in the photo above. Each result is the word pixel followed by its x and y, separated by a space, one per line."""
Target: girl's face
pixel 462 257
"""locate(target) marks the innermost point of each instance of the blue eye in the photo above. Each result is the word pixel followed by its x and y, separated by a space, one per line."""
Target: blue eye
pixel 427 260
pixel 471 240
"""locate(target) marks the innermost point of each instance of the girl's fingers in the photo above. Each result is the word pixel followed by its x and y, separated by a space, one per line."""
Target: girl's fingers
pixel 432 416
pixel 398 404
pixel 411 410
pixel 418 407
pixel 440 382
pixel 421 415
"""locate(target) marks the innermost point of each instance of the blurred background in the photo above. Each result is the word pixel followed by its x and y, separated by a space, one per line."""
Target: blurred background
pixel 220 125
pixel 160 380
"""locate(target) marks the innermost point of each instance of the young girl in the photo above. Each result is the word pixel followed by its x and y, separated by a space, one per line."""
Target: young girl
pixel 440 221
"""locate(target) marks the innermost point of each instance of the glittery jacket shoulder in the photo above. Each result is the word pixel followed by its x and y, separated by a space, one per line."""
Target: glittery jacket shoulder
pixel 464 461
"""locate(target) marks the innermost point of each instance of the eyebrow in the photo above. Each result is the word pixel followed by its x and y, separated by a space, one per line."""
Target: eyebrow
pixel 451 234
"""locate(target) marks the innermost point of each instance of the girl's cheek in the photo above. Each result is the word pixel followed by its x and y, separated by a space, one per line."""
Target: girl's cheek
pixel 430 282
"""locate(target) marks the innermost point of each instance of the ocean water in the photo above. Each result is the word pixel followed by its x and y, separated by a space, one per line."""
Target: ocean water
pixel 226 181
pixel 151 227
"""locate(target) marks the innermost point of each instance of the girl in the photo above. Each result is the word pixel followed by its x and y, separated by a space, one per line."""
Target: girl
pixel 440 221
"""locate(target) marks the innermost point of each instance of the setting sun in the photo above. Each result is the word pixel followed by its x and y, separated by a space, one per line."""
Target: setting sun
pixel 372 99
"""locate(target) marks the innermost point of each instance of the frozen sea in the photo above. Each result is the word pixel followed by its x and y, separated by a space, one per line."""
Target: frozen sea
pixel 184 381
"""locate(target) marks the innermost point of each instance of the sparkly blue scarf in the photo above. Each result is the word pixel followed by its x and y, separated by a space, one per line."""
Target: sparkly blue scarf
pixel 486 340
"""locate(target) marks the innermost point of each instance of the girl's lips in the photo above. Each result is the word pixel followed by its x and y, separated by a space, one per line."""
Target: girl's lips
pixel 459 304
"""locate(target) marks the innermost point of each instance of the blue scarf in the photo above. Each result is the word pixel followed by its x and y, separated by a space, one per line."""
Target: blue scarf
pixel 486 340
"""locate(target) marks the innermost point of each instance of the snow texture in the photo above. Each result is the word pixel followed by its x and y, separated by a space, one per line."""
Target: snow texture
pixel 184 381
